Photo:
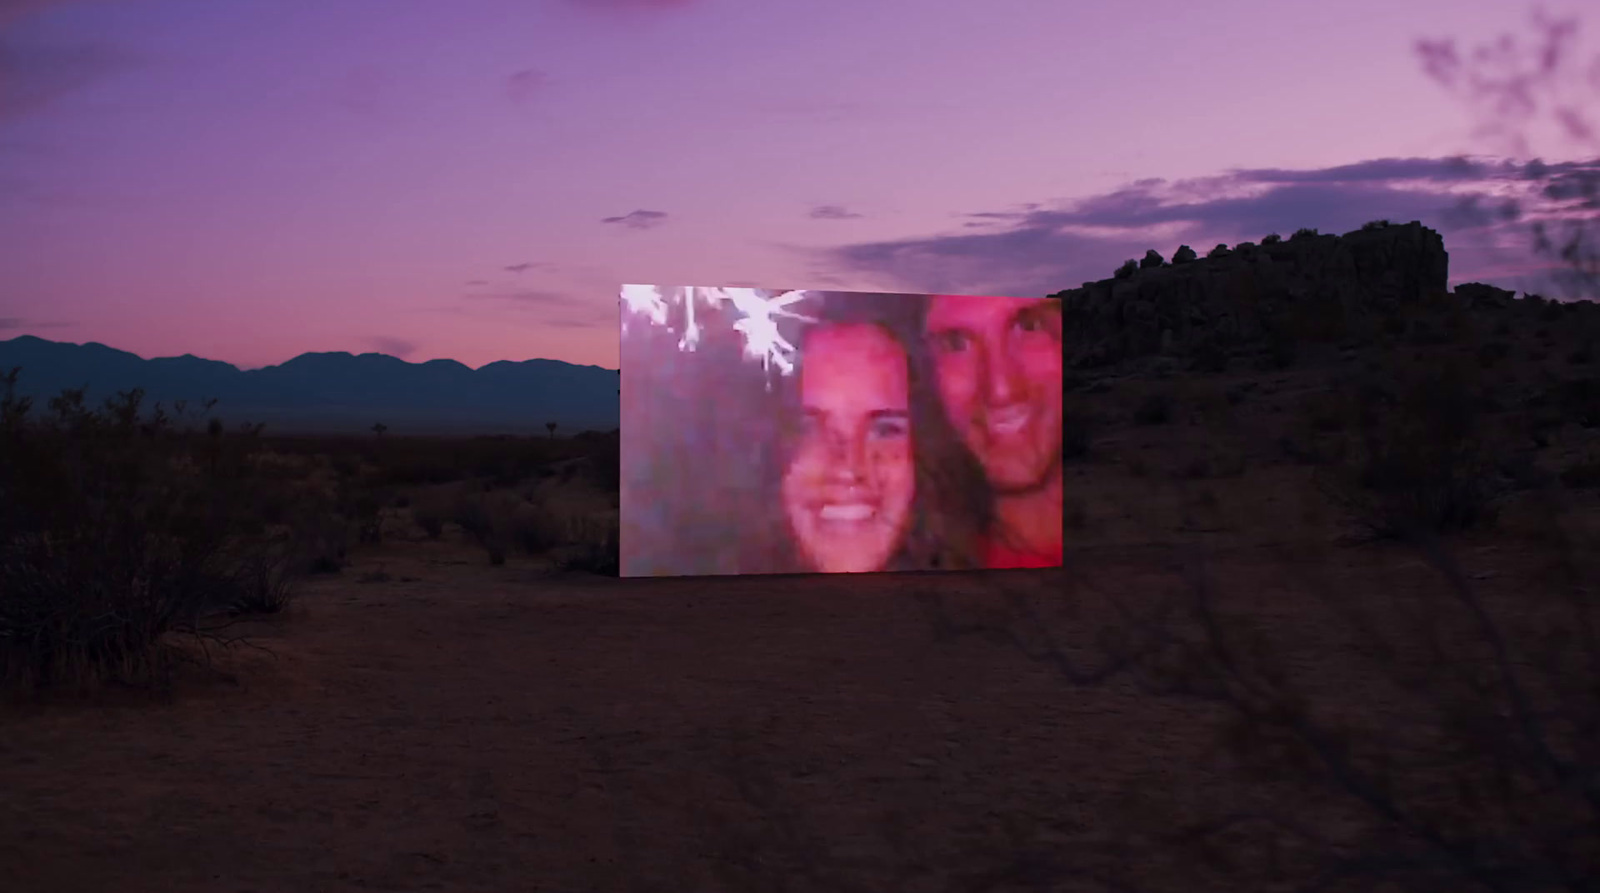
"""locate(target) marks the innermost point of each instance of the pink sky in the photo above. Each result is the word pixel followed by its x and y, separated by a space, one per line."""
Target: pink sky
pixel 247 181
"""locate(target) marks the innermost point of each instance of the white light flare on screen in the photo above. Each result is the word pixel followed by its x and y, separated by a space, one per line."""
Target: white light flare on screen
pixel 757 322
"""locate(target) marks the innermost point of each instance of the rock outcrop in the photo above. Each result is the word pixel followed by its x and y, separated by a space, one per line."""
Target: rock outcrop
pixel 1240 297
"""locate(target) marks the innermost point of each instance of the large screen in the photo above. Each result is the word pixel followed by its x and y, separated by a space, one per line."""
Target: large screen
pixel 796 431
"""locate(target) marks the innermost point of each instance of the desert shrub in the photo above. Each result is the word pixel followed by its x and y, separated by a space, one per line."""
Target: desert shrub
pixel 1209 358
pixel 1184 255
pixel 1374 224
pixel 1282 352
pixel 1220 251
pixel 345 465
pixel 1156 409
pixel 265 577
pixel 322 540
pixel 1304 232
pixel 533 528
pixel 1077 432
pixel 1421 468
pixel 595 546
pixel 1584 475
pixel 1152 258
pixel 1271 239
pixel 1491 353
pixel 489 519
pixel 430 510
pixel 1579 401
pixel 1128 268
pixel 117 531
pixel 605 456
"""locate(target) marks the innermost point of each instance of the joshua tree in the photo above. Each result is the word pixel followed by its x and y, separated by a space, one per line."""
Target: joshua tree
pixel 551 427
pixel 379 428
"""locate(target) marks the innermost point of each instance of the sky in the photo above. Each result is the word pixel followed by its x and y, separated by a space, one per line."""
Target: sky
pixel 248 180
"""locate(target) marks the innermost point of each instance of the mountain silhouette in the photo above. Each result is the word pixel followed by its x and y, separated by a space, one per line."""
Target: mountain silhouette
pixel 332 392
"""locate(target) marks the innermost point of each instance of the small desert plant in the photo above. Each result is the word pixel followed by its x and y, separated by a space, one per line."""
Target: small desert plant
pixel 1492 352
pixel 1304 232
pixel 1371 225
pixel 1210 358
pixel 1156 409
pixel 1583 475
pixel 1128 268
pixel 1421 469
pixel 1282 352
pixel 1271 239
pixel 595 546
pixel 1077 432
pixel 489 519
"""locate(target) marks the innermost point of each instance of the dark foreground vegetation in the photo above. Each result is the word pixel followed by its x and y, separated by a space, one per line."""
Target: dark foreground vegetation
pixel 131 536
pixel 1366 735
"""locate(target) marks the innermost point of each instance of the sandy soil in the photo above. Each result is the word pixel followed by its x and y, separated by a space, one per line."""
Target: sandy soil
pixel 465 727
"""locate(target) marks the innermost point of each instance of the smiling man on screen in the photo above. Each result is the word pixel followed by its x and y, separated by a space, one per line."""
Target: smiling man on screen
pixel 998 364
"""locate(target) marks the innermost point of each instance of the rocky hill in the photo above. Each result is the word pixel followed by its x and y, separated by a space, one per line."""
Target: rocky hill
pixel 1310 287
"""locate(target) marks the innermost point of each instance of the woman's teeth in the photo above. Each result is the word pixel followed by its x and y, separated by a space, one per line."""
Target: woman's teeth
pixel 846 512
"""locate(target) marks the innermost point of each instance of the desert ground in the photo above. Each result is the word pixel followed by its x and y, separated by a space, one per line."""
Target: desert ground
pixel 426 719
pixel 452 725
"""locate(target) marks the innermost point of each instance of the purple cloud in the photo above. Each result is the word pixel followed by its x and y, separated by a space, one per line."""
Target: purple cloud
pixel 634 5
pixel 34 76
pixel 554 308
pixel 1484 209
pixel 12 323
pixel 394 347
pixel 832 212
pixel 523 85
pixel 639 219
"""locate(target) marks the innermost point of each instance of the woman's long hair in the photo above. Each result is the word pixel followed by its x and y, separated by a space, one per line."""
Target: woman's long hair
pixel 951 505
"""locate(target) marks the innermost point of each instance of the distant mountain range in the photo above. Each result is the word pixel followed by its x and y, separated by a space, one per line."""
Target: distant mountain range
pixel 333 392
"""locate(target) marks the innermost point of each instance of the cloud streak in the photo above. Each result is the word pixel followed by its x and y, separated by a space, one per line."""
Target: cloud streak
pixel 522 86
pixel 833 212
pixel 394 347
pixel 1038 249
pixel 640 219
pixel 634 5
pixel 553 308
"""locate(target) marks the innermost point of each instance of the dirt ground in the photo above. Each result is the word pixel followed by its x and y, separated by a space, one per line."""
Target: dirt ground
pixel 467 727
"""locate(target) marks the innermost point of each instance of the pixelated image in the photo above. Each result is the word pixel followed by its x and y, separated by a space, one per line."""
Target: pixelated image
pixel 794 431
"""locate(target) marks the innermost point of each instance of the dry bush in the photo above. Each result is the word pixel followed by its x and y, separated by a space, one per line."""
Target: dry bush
pixel 489 519
pixel 593 543
pixel 117 530
pixel 1419 462
pixel 1431 738
pixel 431 508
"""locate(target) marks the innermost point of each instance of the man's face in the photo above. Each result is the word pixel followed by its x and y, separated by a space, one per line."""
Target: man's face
pixel 999 369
